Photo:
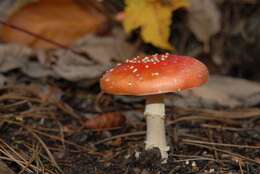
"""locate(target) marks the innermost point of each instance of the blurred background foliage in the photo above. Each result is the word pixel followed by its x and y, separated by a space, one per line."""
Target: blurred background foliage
pixel 225 34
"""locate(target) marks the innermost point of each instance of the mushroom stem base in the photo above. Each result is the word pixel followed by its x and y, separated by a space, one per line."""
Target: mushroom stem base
pixel 155 121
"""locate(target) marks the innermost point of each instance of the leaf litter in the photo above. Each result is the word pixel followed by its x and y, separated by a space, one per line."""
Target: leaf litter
pixel 43 136
pixel 66 64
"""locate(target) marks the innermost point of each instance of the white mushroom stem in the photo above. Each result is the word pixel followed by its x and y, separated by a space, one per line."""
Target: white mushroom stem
pixel 155 124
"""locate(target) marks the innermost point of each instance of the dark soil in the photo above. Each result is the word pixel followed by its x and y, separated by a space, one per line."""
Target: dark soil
pixel 51 137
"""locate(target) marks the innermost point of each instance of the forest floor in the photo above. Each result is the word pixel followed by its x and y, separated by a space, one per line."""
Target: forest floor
pixel 47 99
pixel 43 130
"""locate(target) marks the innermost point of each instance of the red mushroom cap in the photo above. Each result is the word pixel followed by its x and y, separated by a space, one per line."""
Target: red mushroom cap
pixel 154 74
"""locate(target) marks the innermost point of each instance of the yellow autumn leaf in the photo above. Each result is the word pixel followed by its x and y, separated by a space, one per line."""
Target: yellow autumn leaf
pixel 154 19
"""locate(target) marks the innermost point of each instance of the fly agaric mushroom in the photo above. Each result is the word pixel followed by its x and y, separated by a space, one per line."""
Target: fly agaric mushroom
pixel 152 76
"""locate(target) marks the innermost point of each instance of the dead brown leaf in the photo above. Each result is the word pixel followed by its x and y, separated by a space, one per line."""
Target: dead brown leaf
pixel 63 21
pixel 204 20
pixel 107 48
pixel 100 53
pixel 220 91
pixel 13 56
pixel 73 67
pixel 106 121
pixel 116 142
